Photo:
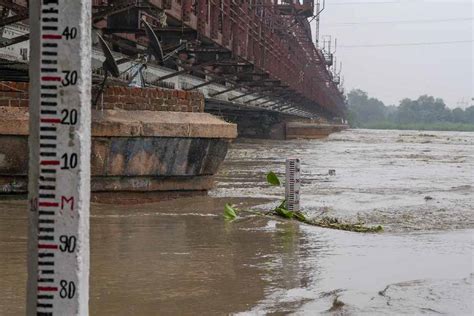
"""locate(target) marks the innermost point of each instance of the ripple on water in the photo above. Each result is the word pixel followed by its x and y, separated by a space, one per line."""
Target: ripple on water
pixel 409 185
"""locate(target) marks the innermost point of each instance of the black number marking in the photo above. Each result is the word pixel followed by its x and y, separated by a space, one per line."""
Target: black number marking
pixel 70 78
pixel 70 33
pixel 69 161
pixel 69 117
pixel 68 243
pixel 68 289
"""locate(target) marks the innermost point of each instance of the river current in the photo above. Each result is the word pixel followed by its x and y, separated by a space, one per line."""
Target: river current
pixel 181 257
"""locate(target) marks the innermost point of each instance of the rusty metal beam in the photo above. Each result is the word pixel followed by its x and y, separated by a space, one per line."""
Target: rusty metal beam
pixel 18 9
pixel 248 85
pixel 15 40
pixel 257 98
pixel 22 12
pixel 236 32
pixel 241 96
pixel 185 70
pixel 116 8
pixel 258 92
pixel 13 19
pixel 268 101
pixel 223 91
pixel 201 85
pixel 216 78
pixel 281 105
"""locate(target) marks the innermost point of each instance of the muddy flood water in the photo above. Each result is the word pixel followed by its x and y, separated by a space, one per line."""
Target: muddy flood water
pixel 181 258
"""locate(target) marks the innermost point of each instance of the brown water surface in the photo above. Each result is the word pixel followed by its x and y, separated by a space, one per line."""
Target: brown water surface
pixel 181 257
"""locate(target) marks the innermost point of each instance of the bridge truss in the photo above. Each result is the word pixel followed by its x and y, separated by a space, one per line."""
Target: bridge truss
pixel 260 48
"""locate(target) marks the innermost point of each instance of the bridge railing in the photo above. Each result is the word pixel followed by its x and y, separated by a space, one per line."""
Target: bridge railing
pixel 260 34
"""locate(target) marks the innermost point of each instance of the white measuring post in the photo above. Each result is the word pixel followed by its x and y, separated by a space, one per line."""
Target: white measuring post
pixel 293 184
pixel 59 170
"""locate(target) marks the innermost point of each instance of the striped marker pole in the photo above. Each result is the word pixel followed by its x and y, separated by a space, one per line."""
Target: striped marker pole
pixel 59 146
pixel 293 184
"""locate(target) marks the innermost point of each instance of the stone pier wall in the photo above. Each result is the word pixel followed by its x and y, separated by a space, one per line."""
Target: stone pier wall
pixel 274 125
pixel 147 144
pixel 311 130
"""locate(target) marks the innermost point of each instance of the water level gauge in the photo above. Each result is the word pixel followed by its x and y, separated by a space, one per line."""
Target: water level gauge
pixel 59 175
pixel 293 183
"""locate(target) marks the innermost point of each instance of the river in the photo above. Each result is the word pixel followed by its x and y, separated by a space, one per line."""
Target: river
pixel 181 257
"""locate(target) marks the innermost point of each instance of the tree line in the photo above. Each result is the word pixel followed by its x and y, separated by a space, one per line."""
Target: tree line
pixel 425 113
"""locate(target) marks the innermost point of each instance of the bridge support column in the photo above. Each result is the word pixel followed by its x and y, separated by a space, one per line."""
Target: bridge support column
pixel 254 123
pixel 147 144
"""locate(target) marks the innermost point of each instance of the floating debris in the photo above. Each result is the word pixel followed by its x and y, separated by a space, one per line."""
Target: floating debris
pixel 273 179
pixel 231 213
pixel 337 305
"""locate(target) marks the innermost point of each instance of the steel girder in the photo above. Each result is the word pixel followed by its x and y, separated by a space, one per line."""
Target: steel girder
pixel 268 37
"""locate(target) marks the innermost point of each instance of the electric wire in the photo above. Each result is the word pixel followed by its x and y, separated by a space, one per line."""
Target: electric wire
pixel 408 44
pixel 401 21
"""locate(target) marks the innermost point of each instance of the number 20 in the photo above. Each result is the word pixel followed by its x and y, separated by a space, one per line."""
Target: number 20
pixel 69 117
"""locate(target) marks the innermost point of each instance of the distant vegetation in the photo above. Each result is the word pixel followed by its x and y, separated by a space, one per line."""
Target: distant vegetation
pixel 425 113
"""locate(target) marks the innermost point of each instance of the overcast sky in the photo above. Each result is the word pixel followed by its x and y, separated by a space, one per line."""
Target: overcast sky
pixel 393 73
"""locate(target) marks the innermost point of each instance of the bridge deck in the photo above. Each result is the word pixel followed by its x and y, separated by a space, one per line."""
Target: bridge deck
pixel 263 49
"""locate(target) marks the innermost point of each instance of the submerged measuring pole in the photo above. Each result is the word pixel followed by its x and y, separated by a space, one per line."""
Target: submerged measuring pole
pixel 293 184
pixel 59 170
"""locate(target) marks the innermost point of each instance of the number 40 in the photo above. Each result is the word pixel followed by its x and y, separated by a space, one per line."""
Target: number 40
pixel 70 33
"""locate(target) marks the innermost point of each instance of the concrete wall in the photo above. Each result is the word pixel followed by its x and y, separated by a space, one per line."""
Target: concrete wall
pixel 274 125
pixel 254 124
pixel 308 130
pixel 146 144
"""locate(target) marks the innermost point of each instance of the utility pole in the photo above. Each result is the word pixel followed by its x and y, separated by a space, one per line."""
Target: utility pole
pixel 317 16
pixel 318 9
pixel 59 149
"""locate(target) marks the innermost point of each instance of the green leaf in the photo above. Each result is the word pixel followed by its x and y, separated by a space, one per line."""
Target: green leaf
pixel 273 179
pixel 230 213
pixel 300 216
pixel 284 213
pixel 283 205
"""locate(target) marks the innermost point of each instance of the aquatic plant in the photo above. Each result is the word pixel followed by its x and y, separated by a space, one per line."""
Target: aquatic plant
pixel 231 213
pixel 273 179
pixel 335 223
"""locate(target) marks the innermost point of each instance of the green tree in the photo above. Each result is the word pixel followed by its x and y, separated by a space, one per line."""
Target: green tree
pixel 364 109
pixel 423 113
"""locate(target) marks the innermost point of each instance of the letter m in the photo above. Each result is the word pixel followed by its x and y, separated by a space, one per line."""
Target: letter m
pixel 67 201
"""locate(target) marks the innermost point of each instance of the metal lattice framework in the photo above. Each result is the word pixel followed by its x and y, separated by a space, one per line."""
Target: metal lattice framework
pixel 258 47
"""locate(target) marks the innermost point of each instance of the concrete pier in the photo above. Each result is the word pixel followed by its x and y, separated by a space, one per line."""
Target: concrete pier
pixel 311 130
pixel 257 123
pixel 147 144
